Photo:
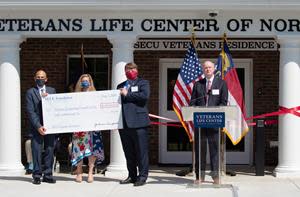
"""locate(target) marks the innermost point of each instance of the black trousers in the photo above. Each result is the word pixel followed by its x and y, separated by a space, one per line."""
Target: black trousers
pixel 135 146
pixel 37 148
pixel 210 136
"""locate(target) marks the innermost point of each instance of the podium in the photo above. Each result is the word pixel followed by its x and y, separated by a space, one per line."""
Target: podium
pixel 208 122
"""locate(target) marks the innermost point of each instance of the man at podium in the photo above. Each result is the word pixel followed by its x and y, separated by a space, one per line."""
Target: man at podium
pixel 210 91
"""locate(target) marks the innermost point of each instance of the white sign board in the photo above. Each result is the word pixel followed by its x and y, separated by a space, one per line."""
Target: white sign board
pixel 82 111
pixel 208 44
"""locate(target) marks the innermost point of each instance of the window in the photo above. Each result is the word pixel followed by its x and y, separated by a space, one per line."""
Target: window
pixel 97 67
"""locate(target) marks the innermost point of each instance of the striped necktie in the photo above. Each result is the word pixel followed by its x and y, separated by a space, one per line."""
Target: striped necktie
pixel 42 90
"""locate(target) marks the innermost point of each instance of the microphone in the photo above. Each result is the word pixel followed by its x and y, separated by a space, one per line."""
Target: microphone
pixel 201 97
pixel 195 99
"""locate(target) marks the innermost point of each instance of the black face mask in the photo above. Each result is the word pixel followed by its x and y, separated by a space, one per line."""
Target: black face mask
pixel 40 82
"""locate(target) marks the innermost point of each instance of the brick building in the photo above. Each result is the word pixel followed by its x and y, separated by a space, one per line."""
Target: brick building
pixel 50 37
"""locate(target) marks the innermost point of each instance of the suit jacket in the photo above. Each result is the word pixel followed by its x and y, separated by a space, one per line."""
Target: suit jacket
pixel 218 95
pixel 34 108
pixel 134 104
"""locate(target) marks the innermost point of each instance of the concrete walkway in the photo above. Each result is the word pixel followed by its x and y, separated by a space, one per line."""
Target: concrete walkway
pixel 162 182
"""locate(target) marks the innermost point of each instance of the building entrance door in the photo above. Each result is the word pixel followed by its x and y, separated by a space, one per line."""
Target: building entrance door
pixel 174 145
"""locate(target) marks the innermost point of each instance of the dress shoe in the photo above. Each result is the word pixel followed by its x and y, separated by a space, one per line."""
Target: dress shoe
pixel 36 181
pixel 127 181
pixel 185 172
pixel 139 183
pixel 28 171
pixel 49 180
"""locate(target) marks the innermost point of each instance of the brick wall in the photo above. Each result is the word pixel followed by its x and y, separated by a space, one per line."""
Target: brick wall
pixel 51 55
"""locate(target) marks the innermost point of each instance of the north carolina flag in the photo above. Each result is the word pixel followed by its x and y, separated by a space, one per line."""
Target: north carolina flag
pixel 235 93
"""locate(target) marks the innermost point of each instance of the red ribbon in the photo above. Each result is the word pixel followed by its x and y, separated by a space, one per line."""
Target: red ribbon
pixel 293 110
pixel 281 111
pixel 266 122
pixel 166 124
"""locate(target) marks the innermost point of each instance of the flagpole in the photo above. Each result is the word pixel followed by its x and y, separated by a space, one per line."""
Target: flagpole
pixel 83 62
pixel 224 38
pixel 222 134
pixel 81 57
pixel 193 39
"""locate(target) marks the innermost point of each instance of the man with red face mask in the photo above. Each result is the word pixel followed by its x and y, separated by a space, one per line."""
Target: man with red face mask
pixel 135 93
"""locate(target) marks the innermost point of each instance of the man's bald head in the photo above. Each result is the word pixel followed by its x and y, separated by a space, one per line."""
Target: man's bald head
pixel 40 73
pixel 208 69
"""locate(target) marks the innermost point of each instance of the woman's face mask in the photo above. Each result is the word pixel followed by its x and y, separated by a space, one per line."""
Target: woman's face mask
pixel 85 84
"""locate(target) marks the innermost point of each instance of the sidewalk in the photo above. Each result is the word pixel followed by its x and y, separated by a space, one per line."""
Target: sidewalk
pixel 162 182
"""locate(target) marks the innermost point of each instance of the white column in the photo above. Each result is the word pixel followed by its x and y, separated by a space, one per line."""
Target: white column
pixel 122 54
pixel 10 108
pixel 289 96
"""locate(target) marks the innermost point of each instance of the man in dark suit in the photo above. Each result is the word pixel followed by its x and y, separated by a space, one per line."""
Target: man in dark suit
pixel 135 93
pixel 210 91
pixel 37 130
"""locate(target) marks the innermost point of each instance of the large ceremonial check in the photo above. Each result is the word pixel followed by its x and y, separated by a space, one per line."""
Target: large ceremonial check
pixel 82 111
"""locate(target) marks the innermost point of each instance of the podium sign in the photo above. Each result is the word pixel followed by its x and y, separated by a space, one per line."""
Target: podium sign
pixel 209 119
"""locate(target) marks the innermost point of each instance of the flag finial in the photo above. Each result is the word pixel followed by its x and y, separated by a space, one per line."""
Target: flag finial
pixel 193 37
pixel 224 37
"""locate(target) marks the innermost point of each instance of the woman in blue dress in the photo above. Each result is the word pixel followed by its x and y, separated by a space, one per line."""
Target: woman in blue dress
pixel 86 144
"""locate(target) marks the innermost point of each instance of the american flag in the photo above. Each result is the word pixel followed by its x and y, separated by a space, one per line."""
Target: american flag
pixel 190 72
pixel 235 94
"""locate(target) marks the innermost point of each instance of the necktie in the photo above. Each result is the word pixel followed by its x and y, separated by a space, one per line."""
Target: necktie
pixel 42 90
pixel 208 89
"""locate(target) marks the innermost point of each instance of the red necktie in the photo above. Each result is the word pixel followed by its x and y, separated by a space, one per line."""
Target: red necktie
pixel 208 89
